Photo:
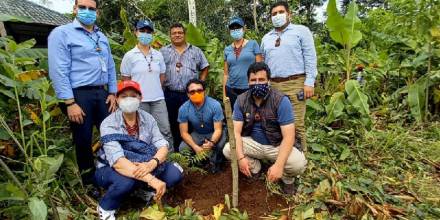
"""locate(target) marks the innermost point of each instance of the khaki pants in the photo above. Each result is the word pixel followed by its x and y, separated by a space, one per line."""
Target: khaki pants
pixel 254 151
pixel 291 88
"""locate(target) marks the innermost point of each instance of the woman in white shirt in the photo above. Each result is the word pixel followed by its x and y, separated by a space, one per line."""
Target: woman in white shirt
pixel 146 66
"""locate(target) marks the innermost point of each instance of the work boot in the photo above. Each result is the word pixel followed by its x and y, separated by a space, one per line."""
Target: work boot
pixel 288 189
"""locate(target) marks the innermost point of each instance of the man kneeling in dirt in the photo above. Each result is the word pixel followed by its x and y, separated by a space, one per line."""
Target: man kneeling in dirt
pixel 264 130
pixel 133 154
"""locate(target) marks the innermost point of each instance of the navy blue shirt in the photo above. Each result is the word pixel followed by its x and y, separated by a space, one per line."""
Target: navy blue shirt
pixel 285 116
pixel 202 120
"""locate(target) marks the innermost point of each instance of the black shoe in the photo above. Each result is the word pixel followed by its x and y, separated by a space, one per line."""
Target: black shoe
pixel 288 189
pixel 215 168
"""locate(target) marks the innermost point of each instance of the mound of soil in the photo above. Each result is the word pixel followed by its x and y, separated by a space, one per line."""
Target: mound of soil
pixel 207 190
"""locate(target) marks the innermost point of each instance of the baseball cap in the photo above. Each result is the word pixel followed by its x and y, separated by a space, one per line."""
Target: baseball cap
pixel 128 84
pixel 145 24
pixel 236 20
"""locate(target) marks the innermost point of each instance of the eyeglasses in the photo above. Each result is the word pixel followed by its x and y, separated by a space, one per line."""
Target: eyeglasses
pixel 278 41
pixel 178 66
pixel 199 91
pixel 83 7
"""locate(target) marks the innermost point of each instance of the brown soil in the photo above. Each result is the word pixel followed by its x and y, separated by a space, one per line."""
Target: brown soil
pixel 207 190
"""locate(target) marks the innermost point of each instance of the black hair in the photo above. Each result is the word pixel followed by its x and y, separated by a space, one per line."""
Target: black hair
pixel 280 3
pixel 258 66
pixel 96 1
pixel 195 81
pixel 177 25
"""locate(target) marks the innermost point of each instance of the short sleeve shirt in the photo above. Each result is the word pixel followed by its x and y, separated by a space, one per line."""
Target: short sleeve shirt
pixel 202 120
pixel 192 61
pixel 146 71
pixel 238 66
pixel 285 116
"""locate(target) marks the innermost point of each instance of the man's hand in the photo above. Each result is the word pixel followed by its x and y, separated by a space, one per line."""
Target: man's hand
pixel 159 186
pixel 198 149
pixel 308 91
pixel 143 169
pixel 208 145
pixel 244 167
pixel 75 114
pixel 275 172
pixel 111 101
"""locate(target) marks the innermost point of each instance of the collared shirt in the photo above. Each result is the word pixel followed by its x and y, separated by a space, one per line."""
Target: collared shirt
pixel 74 60
pixel 295 55
pixel 146 71
pixel 114 124
pixel 285 114
pixel 202 120
pixel 238 66
pixel 193 61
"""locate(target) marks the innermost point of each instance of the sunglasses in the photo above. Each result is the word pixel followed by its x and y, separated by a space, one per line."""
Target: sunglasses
pixel 278 41
pixel 199 91
pixel 85 7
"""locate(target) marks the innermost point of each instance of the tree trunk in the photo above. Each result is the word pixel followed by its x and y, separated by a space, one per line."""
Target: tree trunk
pixel 234 162
pixel 254 12
pixel 192 12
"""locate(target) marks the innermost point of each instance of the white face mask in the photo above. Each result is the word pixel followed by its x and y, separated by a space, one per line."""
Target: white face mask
pixel 279 20
pixel 129 104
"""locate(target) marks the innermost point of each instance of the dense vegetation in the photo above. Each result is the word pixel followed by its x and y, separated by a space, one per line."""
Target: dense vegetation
pixel 373 127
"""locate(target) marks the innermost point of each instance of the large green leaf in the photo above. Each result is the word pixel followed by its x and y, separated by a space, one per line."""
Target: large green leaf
pixel 416 100
pixel 8 191
pixel 25 45
pixel 336 107
pixel 194 36
pixel 48 166
pixel 344 30
pixel 356 97
pixel 38 209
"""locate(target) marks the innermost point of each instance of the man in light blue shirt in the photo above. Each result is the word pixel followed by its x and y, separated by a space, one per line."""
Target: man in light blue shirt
pixel 290 53
pixel 82 70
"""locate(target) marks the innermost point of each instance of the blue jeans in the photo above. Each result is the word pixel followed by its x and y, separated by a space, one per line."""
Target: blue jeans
pixel 118 186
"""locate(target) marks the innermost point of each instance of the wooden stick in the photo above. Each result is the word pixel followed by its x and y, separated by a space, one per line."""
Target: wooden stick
pixel 234 162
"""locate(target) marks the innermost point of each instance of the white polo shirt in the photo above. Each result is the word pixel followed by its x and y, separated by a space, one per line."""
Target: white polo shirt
pixel 146 71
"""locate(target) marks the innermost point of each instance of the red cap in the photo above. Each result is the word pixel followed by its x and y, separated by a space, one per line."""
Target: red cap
pixel 128 84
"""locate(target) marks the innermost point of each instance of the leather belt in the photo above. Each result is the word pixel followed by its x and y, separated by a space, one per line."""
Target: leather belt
pixel 285 79
pixel 89 87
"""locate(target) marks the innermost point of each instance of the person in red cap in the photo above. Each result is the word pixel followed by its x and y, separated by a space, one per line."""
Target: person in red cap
pixel 133 153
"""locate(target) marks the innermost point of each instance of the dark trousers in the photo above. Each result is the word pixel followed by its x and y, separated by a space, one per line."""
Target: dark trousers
pixel 118 186
pixel 232 94
pixel 174 100
pixel 92 101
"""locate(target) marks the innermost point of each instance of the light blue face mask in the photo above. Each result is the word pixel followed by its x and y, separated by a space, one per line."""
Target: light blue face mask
pixel 87 17
pixel 279 20
pixel 237 34
pixel 145 38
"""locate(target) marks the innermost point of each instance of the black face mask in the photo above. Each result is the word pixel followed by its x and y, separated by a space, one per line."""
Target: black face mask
pixel 260 90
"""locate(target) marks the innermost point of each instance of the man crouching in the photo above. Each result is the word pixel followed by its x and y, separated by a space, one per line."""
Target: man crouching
pixel 133 153
pixel 264 130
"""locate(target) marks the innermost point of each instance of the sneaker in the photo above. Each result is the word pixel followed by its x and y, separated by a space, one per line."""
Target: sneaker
pixel 289 189
pixel 106 215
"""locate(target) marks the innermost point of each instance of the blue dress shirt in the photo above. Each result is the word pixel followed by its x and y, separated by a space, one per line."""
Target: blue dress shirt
pixel 74 60
pixel 296 53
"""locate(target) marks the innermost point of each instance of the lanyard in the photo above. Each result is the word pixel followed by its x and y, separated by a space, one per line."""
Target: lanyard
pixel 94 42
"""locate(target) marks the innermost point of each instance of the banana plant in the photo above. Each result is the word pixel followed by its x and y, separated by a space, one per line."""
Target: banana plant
pixel 344 30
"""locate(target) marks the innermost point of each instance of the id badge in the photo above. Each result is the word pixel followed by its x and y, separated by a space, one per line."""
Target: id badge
pixel 103 64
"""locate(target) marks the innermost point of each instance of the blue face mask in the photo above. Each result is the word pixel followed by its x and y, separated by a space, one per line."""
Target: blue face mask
pixel 237 34
pixel 87 17
pixel 260 90
pixel 145 38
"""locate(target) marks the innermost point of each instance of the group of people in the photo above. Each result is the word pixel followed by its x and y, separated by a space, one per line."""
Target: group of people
pixel 160 104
